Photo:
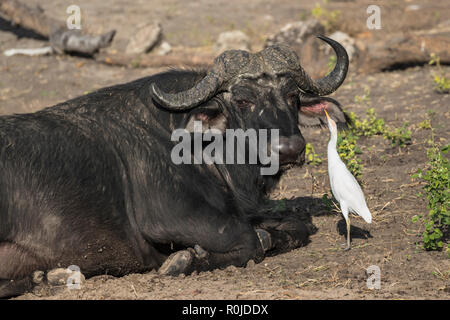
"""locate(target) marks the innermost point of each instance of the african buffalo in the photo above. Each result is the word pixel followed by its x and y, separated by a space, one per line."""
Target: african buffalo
pixel 90 182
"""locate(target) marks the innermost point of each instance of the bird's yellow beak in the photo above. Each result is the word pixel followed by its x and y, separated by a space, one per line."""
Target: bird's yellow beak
pixel 326 113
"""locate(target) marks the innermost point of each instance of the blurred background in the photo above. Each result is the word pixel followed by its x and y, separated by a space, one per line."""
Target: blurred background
pixel 151 35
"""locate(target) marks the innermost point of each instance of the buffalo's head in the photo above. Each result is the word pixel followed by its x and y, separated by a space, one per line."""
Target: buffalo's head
pixel 265 90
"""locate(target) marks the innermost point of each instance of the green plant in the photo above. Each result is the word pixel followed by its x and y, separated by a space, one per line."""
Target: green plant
pixel 399 136
pixel 348 151
pixel 430 113
pixel 329 19
pixel 135 63
pixel 367 127
pixel 311 156
pixel 302 16
pixel 370 126
pixel 425 124
pixel 437 192
pixel 441 82
pixel 346 144
pixel 327 202
pixel 441 275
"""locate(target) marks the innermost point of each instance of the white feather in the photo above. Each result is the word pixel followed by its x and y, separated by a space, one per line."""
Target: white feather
pixel 343 184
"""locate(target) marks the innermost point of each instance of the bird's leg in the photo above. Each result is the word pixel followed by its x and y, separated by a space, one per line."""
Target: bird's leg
pixel 348 247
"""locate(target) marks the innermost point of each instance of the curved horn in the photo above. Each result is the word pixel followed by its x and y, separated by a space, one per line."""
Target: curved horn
pixel 226 66
pixel 332 81
pixel 202 91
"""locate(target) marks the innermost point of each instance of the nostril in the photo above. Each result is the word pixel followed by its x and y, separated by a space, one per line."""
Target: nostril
pixel 297 143
pixel 291 148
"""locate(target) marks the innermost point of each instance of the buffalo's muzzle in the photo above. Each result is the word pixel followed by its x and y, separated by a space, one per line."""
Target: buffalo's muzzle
pixel 291 149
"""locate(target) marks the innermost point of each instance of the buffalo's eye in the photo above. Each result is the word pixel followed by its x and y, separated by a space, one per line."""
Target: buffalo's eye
pixel 242 103
pixel 293 100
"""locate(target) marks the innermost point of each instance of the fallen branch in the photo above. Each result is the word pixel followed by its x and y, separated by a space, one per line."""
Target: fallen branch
pixel 61 39
pixel 405 49
pixel 181 59
pixel 29 52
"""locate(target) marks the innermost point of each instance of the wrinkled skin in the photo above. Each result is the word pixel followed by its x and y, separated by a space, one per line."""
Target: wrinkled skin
pixel 95 173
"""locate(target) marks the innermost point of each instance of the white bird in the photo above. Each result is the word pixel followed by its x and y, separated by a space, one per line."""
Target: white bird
pixel 344 186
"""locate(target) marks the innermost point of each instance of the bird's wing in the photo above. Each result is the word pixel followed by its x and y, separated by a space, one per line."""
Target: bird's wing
pixel 345 187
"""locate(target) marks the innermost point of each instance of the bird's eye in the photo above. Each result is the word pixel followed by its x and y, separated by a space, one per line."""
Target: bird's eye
pixel 242 103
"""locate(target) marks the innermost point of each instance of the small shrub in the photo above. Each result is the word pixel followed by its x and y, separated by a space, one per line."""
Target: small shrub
pixel 329 19
pixel 348 151
pixel 327 202
pixel 399 136
pixel 441 82
pixel 437 192
pixel 311 156
pixel 425 124
pixel 370 126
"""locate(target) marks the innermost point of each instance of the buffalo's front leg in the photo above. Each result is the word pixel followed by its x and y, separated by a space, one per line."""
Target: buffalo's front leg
pixel 276 237
pixel 287 229
pixel 213 239
pixel 286 234
pixel 270 236
pixel 16 265
pixel 203 258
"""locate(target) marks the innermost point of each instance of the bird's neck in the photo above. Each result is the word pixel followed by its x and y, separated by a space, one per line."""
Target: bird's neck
pixel 332 152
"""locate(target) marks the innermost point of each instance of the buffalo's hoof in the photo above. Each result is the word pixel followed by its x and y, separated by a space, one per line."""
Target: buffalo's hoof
pixel 177 263
pixel 13 288
pixel 200 253
pixel 265 239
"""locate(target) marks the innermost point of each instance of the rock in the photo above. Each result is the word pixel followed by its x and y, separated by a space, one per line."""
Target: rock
pixel 268 17
pixel 232 40
pixel 164 48
pixel 296 33
pixel 231 269
pixel 145 39
pixel 346 41
pixel 413 7
pixel 58 276
pixel 301 37
pixel 38 276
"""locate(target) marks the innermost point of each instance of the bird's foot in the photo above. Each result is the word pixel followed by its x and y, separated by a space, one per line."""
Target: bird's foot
pixel 346 247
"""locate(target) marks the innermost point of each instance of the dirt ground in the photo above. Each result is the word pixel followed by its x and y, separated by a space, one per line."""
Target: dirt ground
pixel 320 270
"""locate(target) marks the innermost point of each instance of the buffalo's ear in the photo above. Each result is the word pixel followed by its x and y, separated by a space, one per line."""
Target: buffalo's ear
pixel 210 115
pixel 311 112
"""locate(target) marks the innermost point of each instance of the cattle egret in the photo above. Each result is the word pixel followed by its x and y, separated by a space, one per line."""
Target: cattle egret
pixel 344 186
